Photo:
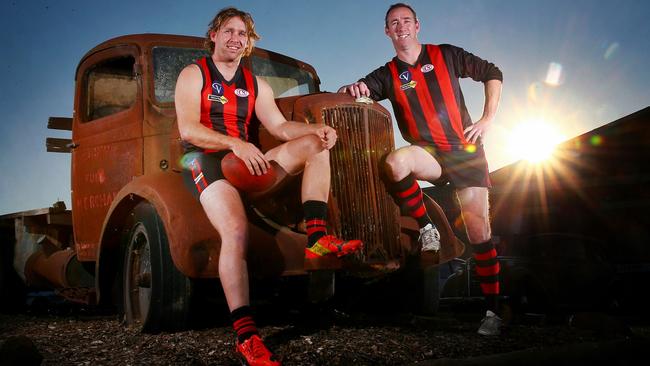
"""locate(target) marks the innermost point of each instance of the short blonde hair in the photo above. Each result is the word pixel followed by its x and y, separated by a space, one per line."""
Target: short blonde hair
pixel 223 16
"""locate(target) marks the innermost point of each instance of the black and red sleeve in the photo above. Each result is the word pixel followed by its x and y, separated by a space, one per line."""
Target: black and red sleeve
pixel 466 64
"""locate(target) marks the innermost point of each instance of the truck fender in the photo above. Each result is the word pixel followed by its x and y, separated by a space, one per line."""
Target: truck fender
pixel 194 244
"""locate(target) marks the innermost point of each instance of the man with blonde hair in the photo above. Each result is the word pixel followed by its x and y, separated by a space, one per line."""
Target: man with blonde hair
pixel 215 101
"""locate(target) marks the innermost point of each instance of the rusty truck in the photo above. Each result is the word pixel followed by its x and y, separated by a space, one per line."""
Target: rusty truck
pixel 134 236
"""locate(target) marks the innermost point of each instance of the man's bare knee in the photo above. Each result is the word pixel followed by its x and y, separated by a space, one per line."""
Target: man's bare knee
pixel 293 155
pixel 396 165
pixel 311 145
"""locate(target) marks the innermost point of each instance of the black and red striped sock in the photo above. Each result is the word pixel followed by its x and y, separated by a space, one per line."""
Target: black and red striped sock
pixel 315 219
pixel 407 194
pixel 487 271
pixel 243 323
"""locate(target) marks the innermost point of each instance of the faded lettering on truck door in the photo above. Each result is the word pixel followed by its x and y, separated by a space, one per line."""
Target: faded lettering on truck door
pixel 108 132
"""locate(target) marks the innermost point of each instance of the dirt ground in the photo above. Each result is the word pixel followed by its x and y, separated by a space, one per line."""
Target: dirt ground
pixel 325 335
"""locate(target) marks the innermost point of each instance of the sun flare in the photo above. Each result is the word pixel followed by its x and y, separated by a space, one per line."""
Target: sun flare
pixel 534 140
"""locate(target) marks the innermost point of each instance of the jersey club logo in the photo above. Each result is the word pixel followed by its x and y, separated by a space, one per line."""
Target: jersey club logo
pixel 426 68
pixel 217 94
pixel 407 83
pixel 241 93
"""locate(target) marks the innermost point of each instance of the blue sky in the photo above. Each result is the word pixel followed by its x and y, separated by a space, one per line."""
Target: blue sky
pixel 602 47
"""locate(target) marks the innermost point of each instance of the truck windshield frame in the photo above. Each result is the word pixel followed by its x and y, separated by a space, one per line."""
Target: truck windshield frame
pixel 286 76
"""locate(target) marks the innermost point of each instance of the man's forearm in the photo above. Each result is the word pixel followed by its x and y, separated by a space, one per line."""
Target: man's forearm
pixel 291 130
pixel 492 97
pixel 205 138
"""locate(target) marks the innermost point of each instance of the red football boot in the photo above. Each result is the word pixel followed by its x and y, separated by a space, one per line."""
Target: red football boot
pixel 331 245
pixel 253 352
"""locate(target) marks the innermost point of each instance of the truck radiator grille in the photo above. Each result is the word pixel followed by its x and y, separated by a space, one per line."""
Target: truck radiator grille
pixel 362 207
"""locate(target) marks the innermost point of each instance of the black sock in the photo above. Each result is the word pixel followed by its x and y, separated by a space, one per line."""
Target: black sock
pixel 492 303
pixel 315 219
pixel 487 271
pixel 407 194
pixel 243 323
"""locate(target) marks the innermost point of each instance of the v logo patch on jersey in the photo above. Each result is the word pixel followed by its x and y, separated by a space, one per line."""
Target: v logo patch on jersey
pixel 217 94
pixel 217 88
pixel 407 83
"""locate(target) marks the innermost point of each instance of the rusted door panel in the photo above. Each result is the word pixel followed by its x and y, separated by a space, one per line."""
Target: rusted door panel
pixel 108 149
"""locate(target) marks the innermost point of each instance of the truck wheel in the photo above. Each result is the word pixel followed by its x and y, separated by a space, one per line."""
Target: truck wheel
pixel 156 296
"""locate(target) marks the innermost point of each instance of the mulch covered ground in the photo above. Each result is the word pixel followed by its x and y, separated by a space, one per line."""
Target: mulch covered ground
pixel 309 337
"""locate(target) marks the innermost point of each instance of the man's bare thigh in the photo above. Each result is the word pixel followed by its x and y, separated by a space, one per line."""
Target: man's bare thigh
pixel 223 206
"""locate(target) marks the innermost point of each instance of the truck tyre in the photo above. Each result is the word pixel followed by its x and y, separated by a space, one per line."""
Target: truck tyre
pixel 155 295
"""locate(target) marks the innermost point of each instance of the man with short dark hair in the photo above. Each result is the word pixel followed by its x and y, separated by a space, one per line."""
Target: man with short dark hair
pixel 421 82
pixel 215 100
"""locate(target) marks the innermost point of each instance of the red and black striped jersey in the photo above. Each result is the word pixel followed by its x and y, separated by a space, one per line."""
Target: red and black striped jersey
pixel 426 97
pixel 227 105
